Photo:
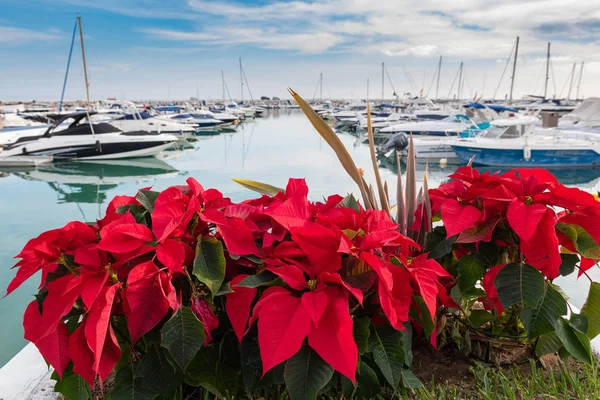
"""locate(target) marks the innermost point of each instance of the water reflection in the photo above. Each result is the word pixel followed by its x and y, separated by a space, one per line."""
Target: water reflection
pixel 89 182
pixel 584 178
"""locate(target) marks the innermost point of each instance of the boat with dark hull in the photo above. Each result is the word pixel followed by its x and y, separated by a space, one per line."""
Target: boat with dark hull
pixel 84 139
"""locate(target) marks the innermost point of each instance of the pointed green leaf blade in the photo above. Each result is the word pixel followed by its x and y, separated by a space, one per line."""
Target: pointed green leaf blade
pixel 183 335
pixel 209 264
pixel 519 284
pixel 543 317
pixel 388 353
pixel 591 309
pixel 305 374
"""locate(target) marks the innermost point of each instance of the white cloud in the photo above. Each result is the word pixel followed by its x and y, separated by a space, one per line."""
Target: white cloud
pixel 11 36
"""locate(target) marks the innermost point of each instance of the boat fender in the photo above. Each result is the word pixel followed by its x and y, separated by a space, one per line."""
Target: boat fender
pixel 98 146
pixel 527 153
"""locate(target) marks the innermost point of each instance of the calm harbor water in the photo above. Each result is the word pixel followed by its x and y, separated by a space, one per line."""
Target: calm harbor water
pixel 270 149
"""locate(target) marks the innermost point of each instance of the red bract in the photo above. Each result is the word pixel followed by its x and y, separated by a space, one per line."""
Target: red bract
pixel 309 267
pixel 478 207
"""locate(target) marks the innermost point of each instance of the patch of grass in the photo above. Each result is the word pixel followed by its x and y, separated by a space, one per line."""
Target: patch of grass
pixel 564 382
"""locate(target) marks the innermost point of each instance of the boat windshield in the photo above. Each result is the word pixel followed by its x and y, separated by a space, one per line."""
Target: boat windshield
pixel 358 108
pixel 505 132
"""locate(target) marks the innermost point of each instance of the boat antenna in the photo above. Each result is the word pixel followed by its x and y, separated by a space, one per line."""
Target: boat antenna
pixel 382 81
pixel 87 85
pixel 321 90
pixel 62 96
pixel 458 89
pixel 223 84
pixel 579 81
pixel 241 82
pixel 547 72
pixel 571 83
pixel 438 78
pixel 512 79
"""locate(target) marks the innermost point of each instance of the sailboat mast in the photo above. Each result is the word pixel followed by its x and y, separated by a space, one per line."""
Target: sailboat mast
pixel 321 91
pixel 460 71
pixel 87 86
pixel 437 88
pixel 572 79
pixel 547 71
pixel 223 84
pixel 241 82
pixel 512 79
pixel 62 96
pixel 579 82
pixel 367 90
pixel 382 81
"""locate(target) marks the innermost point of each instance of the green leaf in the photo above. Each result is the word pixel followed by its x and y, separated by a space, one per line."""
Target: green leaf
pixel 156 374
pixel 543 317
pixel 579 322
pixel 576 343
pixel 410 380
pixel 470 270
pixel 147 199
pixel 591 309
pixel 183 335
pixel 547 344
pixel 388 353
pixel 206 371
pixel 436 243
pixel 520 284
pixel 488 253
pixel 138 212
pixel 407 343
pixel 584 243
pixel 424 317
pixel 361 333
pixel 305 374
pixel 263 278
pixel 209 265
pixel 224 289
pixel 368 385
pixel 126 388
pixel 568 263
pixel 350 202
pixel 251 365
pixel 480 317
pixel 73 387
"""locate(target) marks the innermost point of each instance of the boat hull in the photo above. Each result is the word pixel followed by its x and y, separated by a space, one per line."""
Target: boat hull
pixel 516 157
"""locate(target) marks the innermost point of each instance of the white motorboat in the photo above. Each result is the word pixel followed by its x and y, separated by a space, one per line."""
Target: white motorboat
pixel 450 126
pixel 143 121
pixel 518 143
pixel 83 139
pixel 198 121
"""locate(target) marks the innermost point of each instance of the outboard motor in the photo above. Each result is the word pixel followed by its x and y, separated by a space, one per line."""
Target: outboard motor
pixel 397 142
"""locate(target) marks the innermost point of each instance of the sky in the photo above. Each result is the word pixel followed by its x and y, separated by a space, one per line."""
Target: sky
pixel 176 49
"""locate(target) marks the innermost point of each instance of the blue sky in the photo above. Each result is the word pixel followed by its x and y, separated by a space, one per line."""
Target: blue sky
pixel 171 49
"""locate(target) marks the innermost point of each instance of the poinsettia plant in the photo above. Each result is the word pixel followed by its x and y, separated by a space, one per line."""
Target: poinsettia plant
pixel 506 238
pixel 193 282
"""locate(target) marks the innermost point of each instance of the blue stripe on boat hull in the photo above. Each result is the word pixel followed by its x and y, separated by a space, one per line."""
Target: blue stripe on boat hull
pixel 539 158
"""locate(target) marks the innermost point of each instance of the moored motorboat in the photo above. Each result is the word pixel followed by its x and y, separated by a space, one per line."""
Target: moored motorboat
pixel 518 143
pixel 83 139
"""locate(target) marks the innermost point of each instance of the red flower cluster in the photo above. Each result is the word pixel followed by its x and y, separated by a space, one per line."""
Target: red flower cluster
pixel 526 211
pixel 138 264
